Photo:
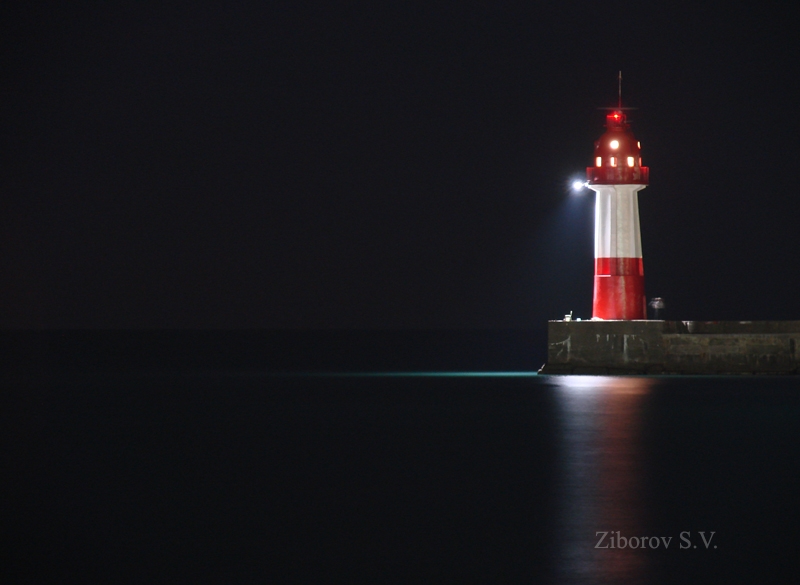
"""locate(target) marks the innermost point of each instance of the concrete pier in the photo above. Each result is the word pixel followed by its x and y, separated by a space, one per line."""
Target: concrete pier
pixel 673 347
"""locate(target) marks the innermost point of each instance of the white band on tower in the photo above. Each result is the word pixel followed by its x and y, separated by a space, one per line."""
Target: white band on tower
pixel 616 231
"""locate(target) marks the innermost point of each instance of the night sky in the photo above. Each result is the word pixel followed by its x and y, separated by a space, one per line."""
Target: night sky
pixel 387 165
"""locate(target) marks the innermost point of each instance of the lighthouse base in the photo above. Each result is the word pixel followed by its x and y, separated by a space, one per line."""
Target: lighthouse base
pixel 673 347
pixel 619 297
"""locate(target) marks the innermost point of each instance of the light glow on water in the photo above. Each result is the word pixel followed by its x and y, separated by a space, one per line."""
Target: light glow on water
pixel 601 478
pixel 587 383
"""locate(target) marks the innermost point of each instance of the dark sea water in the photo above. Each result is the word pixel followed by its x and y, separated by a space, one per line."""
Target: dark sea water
pixel 283 458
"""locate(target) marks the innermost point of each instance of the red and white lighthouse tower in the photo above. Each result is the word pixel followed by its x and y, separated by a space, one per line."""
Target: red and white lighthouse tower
pixel 617 176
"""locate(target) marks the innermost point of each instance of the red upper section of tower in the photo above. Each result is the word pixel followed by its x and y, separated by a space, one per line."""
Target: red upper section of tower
pixel 617 155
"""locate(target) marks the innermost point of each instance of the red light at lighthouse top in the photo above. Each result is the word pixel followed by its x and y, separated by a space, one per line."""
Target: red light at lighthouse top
pixel 617 154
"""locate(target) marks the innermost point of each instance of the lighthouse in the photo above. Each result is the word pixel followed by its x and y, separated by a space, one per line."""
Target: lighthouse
pixel 617 177
pixel 619 339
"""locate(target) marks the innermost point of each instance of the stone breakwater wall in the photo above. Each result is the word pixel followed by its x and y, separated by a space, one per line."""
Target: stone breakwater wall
pixel 673 347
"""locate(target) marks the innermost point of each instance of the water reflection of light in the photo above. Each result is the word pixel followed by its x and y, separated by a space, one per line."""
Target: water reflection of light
pixel 600 482
pixel 590 383
pixel 618 385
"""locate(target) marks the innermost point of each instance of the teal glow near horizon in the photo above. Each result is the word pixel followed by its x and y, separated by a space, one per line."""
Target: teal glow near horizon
pixel 421 374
